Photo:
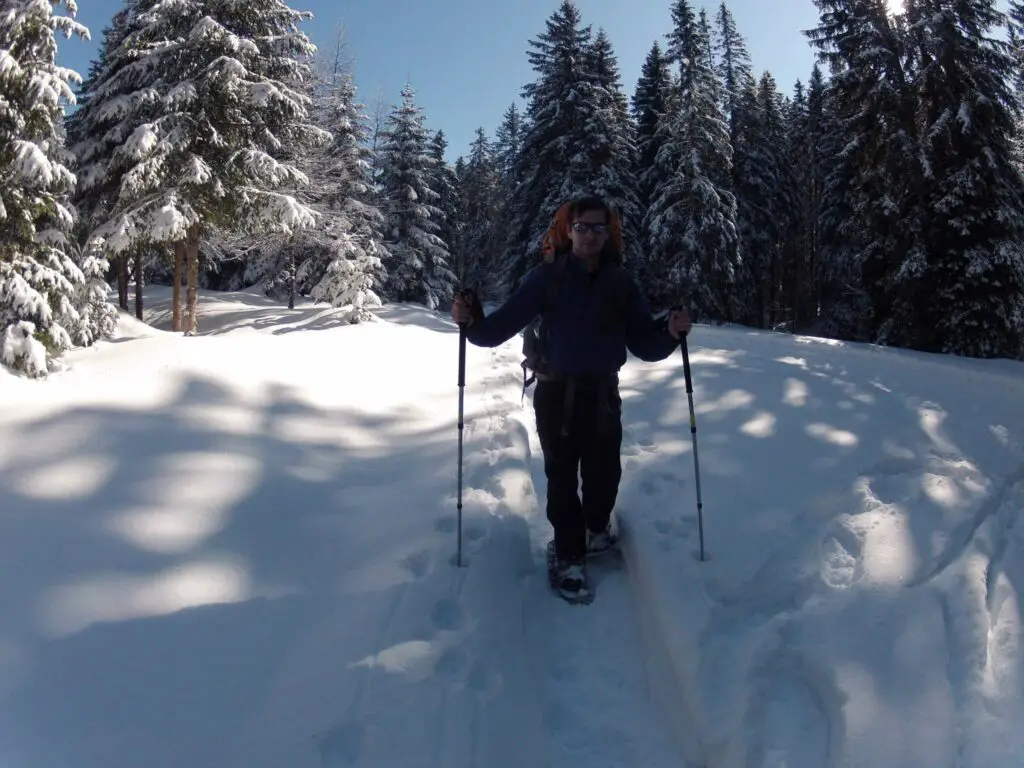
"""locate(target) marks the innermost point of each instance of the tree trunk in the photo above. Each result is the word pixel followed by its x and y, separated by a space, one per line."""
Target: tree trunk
pixel 192 277
pixel 138 284
pixel 291 282
pixel 179 266
pixel 122 281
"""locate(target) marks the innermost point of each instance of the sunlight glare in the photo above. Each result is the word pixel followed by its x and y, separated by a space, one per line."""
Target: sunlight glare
pixel 115 596
pixel 895 7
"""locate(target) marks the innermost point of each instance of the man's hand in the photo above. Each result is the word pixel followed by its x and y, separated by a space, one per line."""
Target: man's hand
pixel 679 323
pixel 462 308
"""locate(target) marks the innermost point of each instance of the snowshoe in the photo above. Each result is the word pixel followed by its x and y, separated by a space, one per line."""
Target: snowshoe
pixel 602 543
pixel 569 580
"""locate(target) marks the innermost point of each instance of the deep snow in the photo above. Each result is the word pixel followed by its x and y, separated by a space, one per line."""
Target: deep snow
pixel 237 550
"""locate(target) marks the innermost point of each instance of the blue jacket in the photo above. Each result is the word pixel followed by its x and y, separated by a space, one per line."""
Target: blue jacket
pixel 596 317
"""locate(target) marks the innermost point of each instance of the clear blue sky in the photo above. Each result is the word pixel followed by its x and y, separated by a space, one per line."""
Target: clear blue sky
pixel 467 58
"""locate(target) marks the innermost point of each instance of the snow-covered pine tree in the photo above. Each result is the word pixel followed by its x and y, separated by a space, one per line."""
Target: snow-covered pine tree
pixel 962 292
pixel 766 203
pixel 51 296
pixel 738 99
pixel 479 192
pixel 207 103
pixel 871 214
pixel 610 140
pixel 733 65
pixel 648 107
pixel 444 182
pixel 508 145
pixel 692 219
pixel 349 271
pixel 458 259
pixel 1015 38
pixel 804 121
pixel 556 153
pixel 88 141
pixel 418 268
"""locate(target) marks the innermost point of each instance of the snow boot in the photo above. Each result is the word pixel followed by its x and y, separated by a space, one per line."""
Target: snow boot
pixel 569 578
pixel 601 543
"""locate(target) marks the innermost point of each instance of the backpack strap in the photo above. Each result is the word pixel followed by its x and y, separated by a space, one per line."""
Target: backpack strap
pixel 555 272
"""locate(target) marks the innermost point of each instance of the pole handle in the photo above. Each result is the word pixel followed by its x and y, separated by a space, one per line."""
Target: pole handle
pixel 462 355
pixel 686 366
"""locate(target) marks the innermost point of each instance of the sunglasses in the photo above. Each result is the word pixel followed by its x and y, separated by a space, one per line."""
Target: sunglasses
pixel 581 227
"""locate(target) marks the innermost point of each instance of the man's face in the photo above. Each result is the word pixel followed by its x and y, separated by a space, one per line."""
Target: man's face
pixel 589 233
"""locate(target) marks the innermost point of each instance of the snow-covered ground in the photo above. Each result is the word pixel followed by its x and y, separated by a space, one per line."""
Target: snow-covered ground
pixel 237 550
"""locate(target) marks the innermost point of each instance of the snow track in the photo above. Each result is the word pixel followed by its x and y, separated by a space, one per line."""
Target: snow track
pixel 602 687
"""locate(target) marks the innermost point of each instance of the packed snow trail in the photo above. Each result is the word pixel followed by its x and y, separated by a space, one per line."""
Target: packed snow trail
pixel 588 661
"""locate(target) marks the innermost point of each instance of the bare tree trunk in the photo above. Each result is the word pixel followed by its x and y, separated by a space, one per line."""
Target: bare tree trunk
pixel 179 266
pixel 291 281
pixel 138 284
pixel 192 277
pixel 122 281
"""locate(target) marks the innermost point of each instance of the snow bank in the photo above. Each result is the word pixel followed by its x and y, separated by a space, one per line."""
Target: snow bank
pixel 861 602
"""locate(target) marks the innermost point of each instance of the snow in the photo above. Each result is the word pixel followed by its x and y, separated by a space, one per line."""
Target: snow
pixel 237 549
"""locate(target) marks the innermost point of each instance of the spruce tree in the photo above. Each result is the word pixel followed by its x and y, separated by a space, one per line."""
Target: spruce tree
pixel 766 203
pixel 610 141
pixel 962 292
pixel 509 168
pixel 649 111
pixel 444 182
pixel 344 265
pixel 871 205
pixel 804 130
pixel 51 295
pixel 692 220
pixel 557 150
pixel 418 266
pixel 733 66
pixel 90 142
pixel 479 192
pixel 208 100
pixel 648 107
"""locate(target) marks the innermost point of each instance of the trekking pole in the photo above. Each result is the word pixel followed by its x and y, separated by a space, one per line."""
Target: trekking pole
pixel 462 389
pixel 693 434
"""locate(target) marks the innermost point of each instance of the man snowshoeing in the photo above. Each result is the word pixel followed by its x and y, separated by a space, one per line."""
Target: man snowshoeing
pixel 592 313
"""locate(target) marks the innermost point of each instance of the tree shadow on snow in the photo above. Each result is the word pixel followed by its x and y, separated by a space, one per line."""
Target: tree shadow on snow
pixel 214 562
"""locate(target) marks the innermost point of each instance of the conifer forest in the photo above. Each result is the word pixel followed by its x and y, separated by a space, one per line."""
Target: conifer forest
pixel 213 147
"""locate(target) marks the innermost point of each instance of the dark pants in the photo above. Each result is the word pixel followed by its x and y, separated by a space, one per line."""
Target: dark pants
pixel 590 450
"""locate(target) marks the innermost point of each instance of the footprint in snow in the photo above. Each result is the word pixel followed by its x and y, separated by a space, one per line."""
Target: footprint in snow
pixel 474 532
pixel 448 614
pixel 452 664
pixel 483 680
pixel 663 526
pixel 341 746
pixel 417 564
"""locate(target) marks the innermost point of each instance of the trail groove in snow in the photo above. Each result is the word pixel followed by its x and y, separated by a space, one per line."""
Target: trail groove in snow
pixel 592 666
pixel 795 712
pixel 988 511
